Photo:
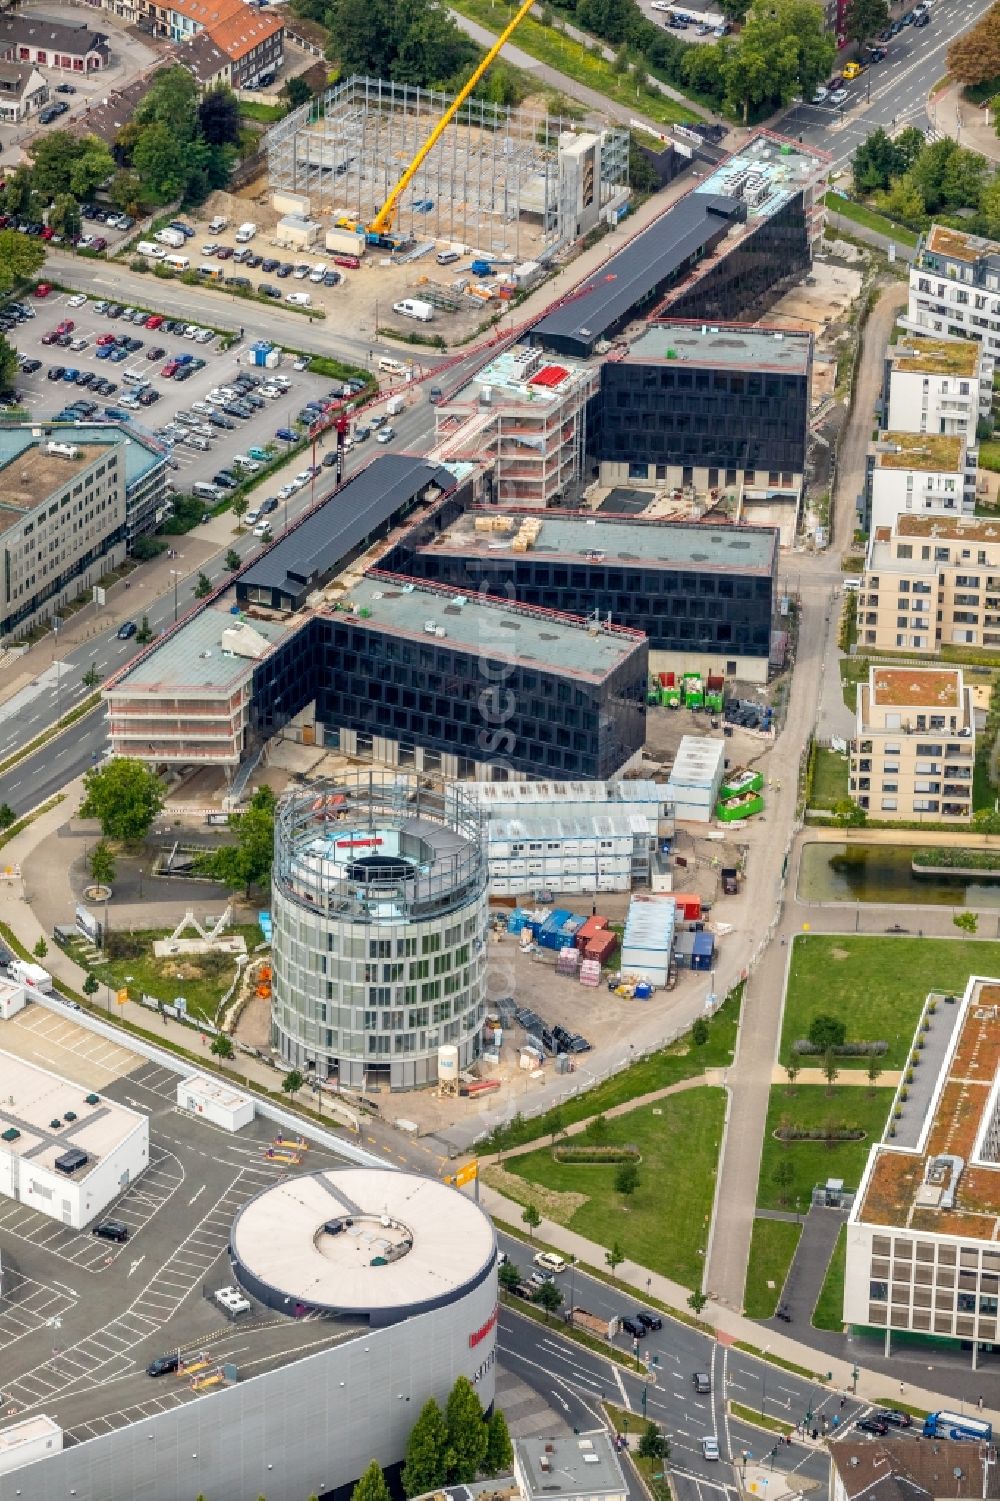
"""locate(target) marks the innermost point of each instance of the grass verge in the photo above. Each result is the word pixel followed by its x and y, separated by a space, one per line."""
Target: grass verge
pixel 829 1310
pixel 681 1060
pixel 859 213
pixel 664 1223
pixel 784 1365
pixel 651 1472
pixel 50 734
pixel 809 1107
pixel 576 61
pixel 829 781
pixel 12 830
pixel 771 1251
pixel 877 986
pixel 758 1419
pixel 898 1406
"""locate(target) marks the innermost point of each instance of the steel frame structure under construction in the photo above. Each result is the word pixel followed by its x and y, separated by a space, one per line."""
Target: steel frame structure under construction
pixel 491 182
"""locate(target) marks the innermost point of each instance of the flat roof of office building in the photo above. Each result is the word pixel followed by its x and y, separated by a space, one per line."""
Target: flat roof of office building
pixel 738 346
pixel 777 167
pixel 583 537
pixel 141 450
pixel 520 634
pixel 29 478
pixel 314 548
pixel 372 1243
pixel 196 656
pixel 949 1182
pixel 576 1465
pixel 935 356
pixel 42 1116
pixel 959 529
pixel 942 240
pixel 640 267
pixel 921 687
pixel 925 453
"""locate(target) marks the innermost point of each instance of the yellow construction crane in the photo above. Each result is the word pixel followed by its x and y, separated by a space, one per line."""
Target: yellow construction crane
pixel 383 220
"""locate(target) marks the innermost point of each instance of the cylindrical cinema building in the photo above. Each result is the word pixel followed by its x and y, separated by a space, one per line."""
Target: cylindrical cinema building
pixel 379 912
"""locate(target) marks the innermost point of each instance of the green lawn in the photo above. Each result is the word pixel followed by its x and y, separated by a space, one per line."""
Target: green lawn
pixel 682 1060
pixel 665 1223
pixel 809 1106
pixel 829 1310
pixel 771 1251
pixel 202 980
pixel 853 670
pixel 829 782
pixel 876 985
pixel 652 1470
pixel 989 454
pixel 572 58
pixel 858 213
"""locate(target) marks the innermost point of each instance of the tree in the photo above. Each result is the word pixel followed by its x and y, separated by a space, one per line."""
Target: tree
pixel 8 364
pixel 864 19
pixel 292 1082
pixel 222 1047
pixel 532 1219
pixel 830 1069
pixel 91 985
pixel 103 866
pixel 597 1129
pixel 124 796
pixel 144 634
pixel 783 50
pixel 125 191
pixel 697 1301
pixel 64 216
pixel 874 1072
pixel 904 202
pixel 296 91
pixel 219 116
pixel 699 1032
pixel 41 949
pixel 246 863
pixel 426 1465
pixel 615 1256
pixel 967 921
pixel 508 1276
pixel 499 1449
pixel 467 1436
pixel 792 1070
pixel 371 1486
pixel 548 1297
pixel 7 815
pixel 21 256
pixel 827 1031
pixel 876 162
pixel 974 57
pixel 652 1444
pixel 849 814
pixel 91 677
pixel 556 1125
pixel 240 507
pixel 203 586
pixel 626 1179
pixel 161 160
pixel 783 1176
pixel 172 101
pixel 615 21
pixel 233 560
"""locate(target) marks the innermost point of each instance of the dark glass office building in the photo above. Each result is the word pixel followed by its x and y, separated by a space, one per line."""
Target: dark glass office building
pixel 426 678
pixel 703 595
pixel 708 405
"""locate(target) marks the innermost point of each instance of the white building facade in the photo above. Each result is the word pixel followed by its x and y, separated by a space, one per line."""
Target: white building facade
pixel 955 288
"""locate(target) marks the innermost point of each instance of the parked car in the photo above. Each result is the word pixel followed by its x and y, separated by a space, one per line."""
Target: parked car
pixel 163 1365
pixel 549 1261
pixel 111 1230
pixel 649 1321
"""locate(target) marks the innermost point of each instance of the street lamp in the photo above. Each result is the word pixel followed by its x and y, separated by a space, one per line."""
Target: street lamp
pixel 175 574
pixel 763 1379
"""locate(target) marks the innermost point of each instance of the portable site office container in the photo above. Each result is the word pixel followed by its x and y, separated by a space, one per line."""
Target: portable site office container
pixel 695 777
pixel 649 937
pixel 216 1102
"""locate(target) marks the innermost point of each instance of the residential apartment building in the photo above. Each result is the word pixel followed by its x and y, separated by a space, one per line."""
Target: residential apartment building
pixel 711 408
pixel 915 744
pixel 955 288
pixel 927 473
pixel 23 91
pixel 937 386
pixel 931 581
pixel 923 1238
pixel 62 526
pixel 53 44
pixel 253 40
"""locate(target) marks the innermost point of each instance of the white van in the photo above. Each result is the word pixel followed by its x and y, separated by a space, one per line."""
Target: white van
pixel 135 377
pixel 210 272
pixel 447 257
pixel 154 252
pixel 390 367
pixel 206 492
pixel 318 271
pixel 177 262
pixel 299 299
pixel 217 225
pixel 410 307
pixel 171 237
pixel 245 233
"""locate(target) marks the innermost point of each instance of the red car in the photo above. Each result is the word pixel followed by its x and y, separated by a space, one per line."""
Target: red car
pixel 105 339
pixel 169 369
pixel 47 233
pixel 154 320
pixel 99 243
pixel 43 289
pixel 224 252
pixel 66 326
pixel 350 261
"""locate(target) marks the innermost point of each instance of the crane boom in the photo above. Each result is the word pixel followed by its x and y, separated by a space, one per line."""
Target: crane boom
pixel 382 222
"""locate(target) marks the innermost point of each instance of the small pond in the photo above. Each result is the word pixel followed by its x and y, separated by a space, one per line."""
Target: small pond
pixel 882 873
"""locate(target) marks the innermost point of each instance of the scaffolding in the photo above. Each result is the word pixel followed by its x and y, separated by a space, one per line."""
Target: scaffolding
pixel 492 182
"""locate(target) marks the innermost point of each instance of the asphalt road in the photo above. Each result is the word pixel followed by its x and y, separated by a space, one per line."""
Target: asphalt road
pixel 56 690
pixel 898 87
pixel 566 1372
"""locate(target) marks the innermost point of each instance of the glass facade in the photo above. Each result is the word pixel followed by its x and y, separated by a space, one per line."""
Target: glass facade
pixel 676 413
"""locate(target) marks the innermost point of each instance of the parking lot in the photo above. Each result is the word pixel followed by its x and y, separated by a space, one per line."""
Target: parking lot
pixel 83 1316
pixel 83 353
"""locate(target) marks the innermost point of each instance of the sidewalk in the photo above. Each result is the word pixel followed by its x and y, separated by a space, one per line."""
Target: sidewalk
pixel 971 125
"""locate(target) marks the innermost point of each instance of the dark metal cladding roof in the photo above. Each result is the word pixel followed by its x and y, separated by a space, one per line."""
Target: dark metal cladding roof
pixel 350 515
pixel 648 261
